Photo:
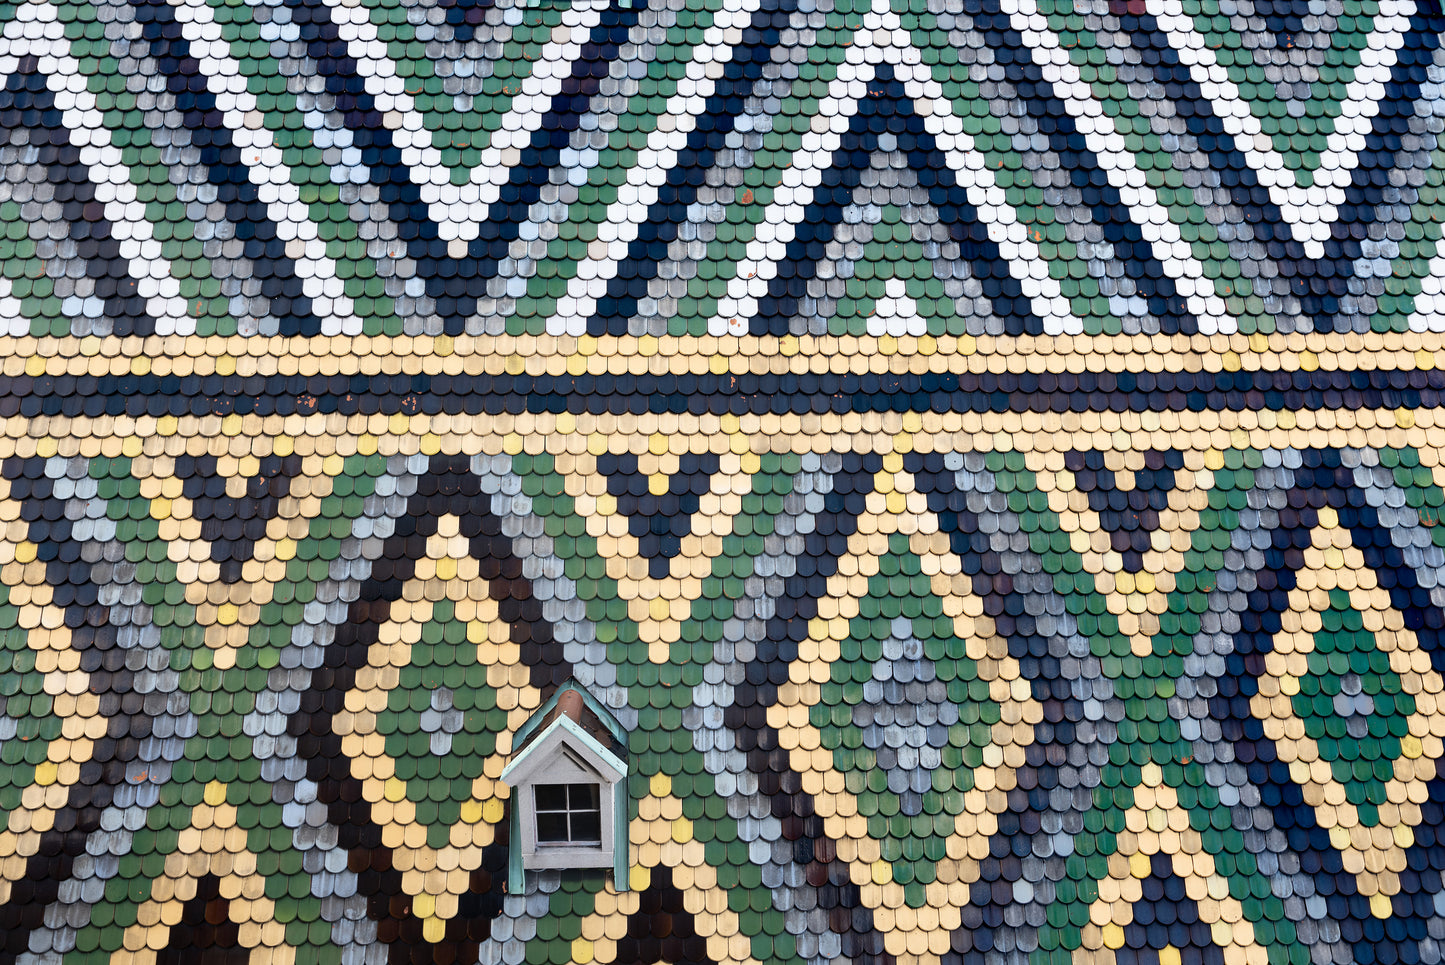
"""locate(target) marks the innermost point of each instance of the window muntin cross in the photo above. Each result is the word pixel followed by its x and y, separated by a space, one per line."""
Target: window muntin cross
pixel 568 814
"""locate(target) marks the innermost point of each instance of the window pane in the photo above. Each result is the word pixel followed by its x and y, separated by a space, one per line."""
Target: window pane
pixel 583 797
pixel 551 797
pixel 552 828
pixel 587 826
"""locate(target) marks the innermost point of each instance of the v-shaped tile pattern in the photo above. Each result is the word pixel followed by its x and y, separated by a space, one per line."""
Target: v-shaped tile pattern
pixel 884 119
pixel 1130 515
pixel 613 193
pixel 658 515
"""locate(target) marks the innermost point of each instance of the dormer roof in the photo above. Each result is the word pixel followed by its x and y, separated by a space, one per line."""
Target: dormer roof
pixel 574 718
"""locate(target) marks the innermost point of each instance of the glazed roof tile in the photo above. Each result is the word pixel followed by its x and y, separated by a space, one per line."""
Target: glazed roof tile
pixel 986 455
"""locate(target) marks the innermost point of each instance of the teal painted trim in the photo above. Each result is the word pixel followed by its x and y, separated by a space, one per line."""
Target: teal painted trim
pixel 516 876
pixel 614 728
pixel 621 857
pixel 592 743
pixel 535 721
pixel 621 810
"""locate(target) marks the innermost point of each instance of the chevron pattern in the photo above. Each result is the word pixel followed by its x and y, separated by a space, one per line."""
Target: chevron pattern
pixel 584 169
pixel 938 655
pixel 986 454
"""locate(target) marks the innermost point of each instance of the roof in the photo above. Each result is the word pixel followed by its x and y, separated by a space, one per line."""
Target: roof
pixel 984 454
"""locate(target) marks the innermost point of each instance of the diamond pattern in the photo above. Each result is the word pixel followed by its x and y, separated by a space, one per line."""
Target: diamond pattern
pixel 983 452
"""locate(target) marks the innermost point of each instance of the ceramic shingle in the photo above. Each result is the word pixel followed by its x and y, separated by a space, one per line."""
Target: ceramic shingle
pixel 985 456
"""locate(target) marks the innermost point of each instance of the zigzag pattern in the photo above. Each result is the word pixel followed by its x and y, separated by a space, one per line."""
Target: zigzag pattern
pixel 593 169
pixel 1100 748
pixel 983 452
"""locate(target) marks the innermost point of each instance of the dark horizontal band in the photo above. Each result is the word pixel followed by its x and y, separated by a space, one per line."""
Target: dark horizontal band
pixel 488 394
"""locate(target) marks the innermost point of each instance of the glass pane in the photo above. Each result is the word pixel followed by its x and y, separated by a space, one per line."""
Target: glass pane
pixel 583 797
pixel 552 828
pixel 551 797
pixel 587 825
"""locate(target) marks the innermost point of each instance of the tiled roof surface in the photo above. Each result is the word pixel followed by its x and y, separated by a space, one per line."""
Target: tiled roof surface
pixel 988 454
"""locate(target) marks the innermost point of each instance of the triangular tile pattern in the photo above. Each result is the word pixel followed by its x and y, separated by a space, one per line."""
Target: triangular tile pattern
pixel 884 120
pixel 1288 251
pixel 1167 919
pixel 663 929
pixel 658 521
pixel 933 642
pixel 1129 514
pixel 205 928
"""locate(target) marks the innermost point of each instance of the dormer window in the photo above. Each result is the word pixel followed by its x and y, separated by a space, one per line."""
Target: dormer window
pixel 569 804
pixel 568 814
